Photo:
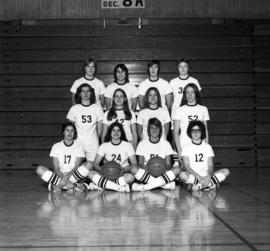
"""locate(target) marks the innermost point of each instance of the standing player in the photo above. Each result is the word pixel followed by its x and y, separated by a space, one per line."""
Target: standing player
pixel 116 148
pixel 179 83
pixel 153 109
pixel 155 145
pixel 121 81
pixel 67 157
pixel 89 70
pixel 153 70
pixel 87 116
pixel 190 109
pixel 120 112
pixel 198 160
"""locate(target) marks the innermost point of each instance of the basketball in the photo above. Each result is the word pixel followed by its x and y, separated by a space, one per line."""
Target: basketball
pixel 156 166
pixel 111 170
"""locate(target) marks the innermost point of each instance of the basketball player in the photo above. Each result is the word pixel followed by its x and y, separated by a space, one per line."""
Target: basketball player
pixel 87 116
pixel 153 109
pixel 89 77
pixel 67 157
pixel 116 148
pixel 179 83
pixel 120 112
pixel 190 109
pixel 153 70
pixel 155 145
pixel 121 81
pixel 198 160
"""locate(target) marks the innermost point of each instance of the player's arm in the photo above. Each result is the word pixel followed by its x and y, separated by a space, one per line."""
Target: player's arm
pixel 141 101
pixel 167 127
pixel 78 162
pixel 133 128
pixel 56 167
pixel 133 162
pixel 102 100
pixel 169 100
pixel 141 160
pixel 99 128
pixel 97 162
pixel 176 133
pixel 207 179
pixel 168 160
pixel 107 103
pixel 189 169
pixel 206 131
pixel 104 132
pixel 134 102
pixel 73 98
pixel 140 131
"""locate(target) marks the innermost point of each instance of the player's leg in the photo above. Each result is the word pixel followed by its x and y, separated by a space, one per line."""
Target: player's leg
pixel 105 183
pixel 141 174
pixel 126 179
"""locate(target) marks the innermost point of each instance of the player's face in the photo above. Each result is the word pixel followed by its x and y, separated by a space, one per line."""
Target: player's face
pixel 183 68
pixel 190 95
pixel 154 131
pixel 119 98
pixel 120 74
pixel 116 133
pixel 85 93
pixel 152 98
pixel 196 133
pixel 69 133
pixel 153 70
pixel 90 69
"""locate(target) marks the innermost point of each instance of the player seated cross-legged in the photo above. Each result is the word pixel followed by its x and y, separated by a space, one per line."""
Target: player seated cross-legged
pixel 198 160
pixel 67 157
pixel 151 147
pixel 119 157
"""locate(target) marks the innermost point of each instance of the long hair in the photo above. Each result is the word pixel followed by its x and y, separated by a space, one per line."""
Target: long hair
pixel 122 67
pixel 112 112
pixel 197 94
pixel 65 125
pixel 198 123
pixel 87 62
pixel 146 97
pixel 156 122
pixel 183 60
pixel 151 63
pixel 108 136
pixel 78 98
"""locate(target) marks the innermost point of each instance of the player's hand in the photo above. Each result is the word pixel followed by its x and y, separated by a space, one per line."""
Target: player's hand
pixel 64 180
pixel 122 171
pixel 206 180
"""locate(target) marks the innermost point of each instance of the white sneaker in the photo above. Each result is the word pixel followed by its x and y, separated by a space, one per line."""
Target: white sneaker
pixel 92 186
pixel 196 187
pixel 169 186
pixel 137 187
pixel 53 188
pixel 81 187
pixel 124 189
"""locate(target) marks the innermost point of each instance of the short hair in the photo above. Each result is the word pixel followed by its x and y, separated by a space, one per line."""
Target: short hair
pixel 156 122
pixel 108 136
pixel 146 97
pixel 197 94
pixel 198 123
pixel 78 98
pixel 66 124
pixel 87 62
pixel 151 63
pixel 122 67
pixel 183 60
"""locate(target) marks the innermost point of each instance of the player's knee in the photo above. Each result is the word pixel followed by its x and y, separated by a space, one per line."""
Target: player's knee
pixel 129 178
pixel 92 173
pixel 41 170
pixel 183 176
pixel 89 165
pixel 134 169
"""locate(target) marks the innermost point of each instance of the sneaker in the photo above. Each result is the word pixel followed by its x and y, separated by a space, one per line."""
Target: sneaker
pixel 54 188
pixel 137 187
pixel 196 187
pixel 169 186
pixel 124 189
pixel 80 187
pixel 92 186
pixel 212 187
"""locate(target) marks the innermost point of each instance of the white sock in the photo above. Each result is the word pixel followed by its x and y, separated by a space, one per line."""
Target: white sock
pixel 79 174
pixel 50 177
pixel 121 181
pixel 105 183
pixel 143 176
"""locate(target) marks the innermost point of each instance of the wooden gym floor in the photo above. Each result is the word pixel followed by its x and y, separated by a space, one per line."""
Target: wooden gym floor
pixel 236 217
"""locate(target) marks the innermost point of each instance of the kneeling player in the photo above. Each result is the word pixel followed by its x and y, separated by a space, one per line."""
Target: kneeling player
pixel 198 160
pixel 67 157
pixel 155 145
pixel 115 149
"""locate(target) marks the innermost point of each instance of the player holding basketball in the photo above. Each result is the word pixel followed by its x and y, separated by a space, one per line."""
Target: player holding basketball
pixel 148 148
pixel 190 109
pixel 120 112
pixel 153 109
pixel 87 117
pixel 67 157
pixel 121 81
pixel 165 91
pixel 116 148
pixel 89 77
pixel 198 160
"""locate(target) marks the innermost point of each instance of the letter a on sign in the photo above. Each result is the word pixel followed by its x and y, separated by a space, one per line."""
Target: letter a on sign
pixel 122 4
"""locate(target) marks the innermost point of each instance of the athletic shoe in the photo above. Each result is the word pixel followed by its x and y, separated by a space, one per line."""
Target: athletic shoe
pixel 137 187
pixel 92 186
pixel 169 186
pixel 124 189
pixel 80 187
pixel 212 187
pixel 54 188
pixel 196 187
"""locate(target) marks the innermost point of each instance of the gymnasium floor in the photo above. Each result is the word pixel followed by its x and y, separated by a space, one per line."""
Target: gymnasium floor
pixel 237 217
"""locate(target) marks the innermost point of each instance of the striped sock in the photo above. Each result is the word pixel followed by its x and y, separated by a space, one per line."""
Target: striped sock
pixel 50 177
pixel 79 174
pixel 143 176
pixel 105 183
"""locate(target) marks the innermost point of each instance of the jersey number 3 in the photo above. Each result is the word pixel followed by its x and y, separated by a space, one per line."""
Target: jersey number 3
pixel 86 119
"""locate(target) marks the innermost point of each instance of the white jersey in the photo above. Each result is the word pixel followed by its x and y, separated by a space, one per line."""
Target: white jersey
pixel 178 84
pixel 161 84
pixel 198 156
pixel 148 150
pixel 119 153
pixel 160 113
pixel 130 90
pixel 95 83
pixel 122 120
pixel 187 113
pixel 67 155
